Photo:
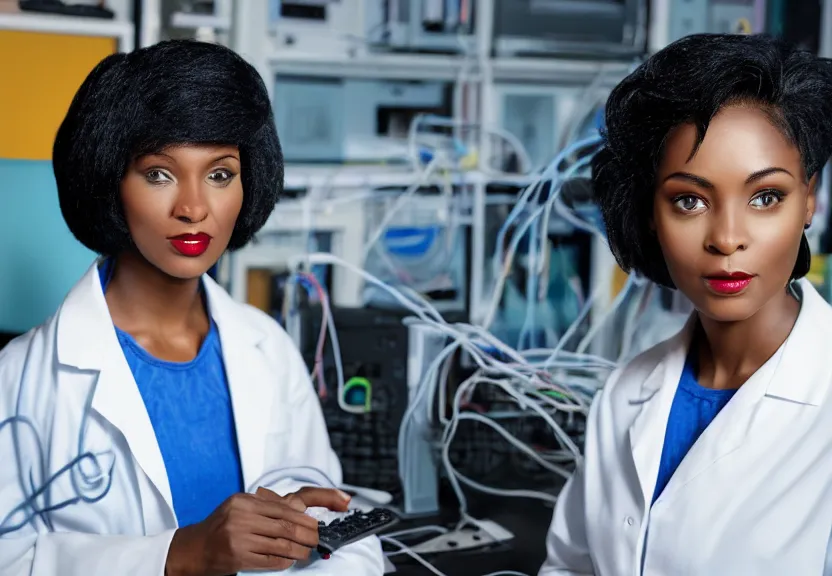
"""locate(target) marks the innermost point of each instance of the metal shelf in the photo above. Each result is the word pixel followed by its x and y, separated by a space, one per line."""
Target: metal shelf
pixel 392 66
pixel 188 20
pixel 380 176
pixel 72 25
pixel 551 70
pixel 444 67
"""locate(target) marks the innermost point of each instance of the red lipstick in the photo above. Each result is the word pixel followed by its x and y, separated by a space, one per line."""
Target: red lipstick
pixel 191 245
pixel 727 283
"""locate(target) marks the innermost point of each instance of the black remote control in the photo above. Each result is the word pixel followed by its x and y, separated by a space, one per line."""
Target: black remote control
pixel 351 528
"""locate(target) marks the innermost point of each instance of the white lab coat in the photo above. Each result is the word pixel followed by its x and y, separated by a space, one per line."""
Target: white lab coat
pixel 753 497
pixel 49 374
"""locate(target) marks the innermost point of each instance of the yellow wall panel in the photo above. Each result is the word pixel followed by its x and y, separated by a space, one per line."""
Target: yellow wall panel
pixel 619 278
pixel 40 75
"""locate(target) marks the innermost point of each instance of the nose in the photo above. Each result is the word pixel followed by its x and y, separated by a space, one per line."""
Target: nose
pixel 190 206
pixel 727 233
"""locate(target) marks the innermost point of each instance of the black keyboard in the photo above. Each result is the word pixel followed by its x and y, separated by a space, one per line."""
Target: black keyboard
pixel 343 531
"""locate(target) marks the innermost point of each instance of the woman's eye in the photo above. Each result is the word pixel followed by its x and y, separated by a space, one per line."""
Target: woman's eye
pixel 221 176
pixel 689 203
pixel 766 199
pixel 156 177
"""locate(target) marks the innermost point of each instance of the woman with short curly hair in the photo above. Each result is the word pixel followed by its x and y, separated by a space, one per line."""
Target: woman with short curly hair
pixel 711 453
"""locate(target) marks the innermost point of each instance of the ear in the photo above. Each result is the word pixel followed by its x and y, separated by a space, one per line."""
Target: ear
pixel 811 199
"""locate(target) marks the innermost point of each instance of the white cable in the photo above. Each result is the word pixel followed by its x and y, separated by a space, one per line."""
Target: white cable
pixel 619 298
pixel 439 121
pixel 339 367
pixel 590 99
pixel 500 269
pixel 455 477
pixel 522 376
pixel 512 439
pixel 411 553
pixel 400 201
pixel 403 548
pixel 429 315
pixel 412 303
pixel 417 530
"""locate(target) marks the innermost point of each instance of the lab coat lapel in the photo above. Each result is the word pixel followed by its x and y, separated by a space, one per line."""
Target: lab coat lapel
pixel 250 382
pixel 785 376
pixel 86 340
pixel 798 377
pixel 726 433
pixel 656 397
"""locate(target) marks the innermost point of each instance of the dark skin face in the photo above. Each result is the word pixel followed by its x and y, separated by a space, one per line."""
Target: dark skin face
pixel 739 205
pixel 154 293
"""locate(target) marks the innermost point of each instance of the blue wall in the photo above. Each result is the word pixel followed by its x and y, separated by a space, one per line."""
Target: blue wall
pixel 40 260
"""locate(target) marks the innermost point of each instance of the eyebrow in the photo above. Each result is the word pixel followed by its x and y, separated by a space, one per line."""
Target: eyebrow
pixel 224 156
pixel 704 183
pixel 172 159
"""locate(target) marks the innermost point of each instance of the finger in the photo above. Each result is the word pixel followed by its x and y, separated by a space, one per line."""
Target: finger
pixel 252 558
pixel 325 497
pixel 295 502
pixel 280 549
pixel 283 511
pixel 267 563
pixel 267 494
pixel 286 530
pixel 292 500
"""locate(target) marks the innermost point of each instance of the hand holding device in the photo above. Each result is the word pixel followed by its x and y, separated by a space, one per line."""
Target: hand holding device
pixel 352 528
pixel 250 532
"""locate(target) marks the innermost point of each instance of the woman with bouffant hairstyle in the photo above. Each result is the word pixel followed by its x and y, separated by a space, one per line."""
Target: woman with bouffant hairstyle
pixel 154 426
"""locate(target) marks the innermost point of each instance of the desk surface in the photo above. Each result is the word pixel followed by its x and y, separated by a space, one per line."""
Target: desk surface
pixel 528 520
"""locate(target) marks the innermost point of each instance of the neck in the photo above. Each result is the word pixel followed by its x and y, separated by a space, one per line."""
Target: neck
pixel 140 295
pixel 730 352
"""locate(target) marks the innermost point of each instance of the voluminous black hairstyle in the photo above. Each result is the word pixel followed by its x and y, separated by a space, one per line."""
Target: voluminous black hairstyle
pixel 173 93
pixel 689 81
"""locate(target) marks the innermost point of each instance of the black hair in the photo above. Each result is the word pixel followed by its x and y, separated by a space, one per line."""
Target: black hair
pixel 690 81
pixel 175 92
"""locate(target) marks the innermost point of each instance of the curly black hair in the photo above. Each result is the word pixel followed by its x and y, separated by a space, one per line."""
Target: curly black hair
pixel 175 92
pixel 689 81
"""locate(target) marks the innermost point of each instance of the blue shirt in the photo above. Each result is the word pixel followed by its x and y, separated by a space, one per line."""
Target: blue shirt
pixel 694 408
pixel 189 406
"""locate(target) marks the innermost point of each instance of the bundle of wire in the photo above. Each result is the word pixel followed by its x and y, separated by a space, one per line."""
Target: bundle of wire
pixel 537 380
pixel 541 382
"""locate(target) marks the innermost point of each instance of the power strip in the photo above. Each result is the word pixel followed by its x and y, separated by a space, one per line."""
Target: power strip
pixel 487 533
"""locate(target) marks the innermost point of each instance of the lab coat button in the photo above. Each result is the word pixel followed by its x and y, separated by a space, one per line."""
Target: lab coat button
pixel 629 520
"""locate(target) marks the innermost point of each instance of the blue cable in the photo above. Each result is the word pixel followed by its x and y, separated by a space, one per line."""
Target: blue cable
pixel 532 220
pixel 527 330
pixel 550 172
